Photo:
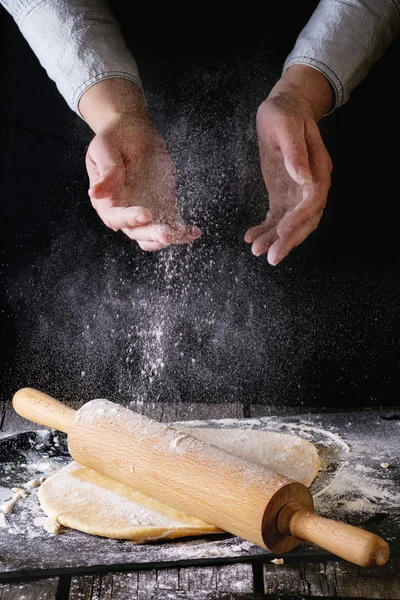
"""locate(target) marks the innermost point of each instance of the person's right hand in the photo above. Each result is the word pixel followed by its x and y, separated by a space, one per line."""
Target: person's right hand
pixel 295 163
pixel 131 174
pixel 133 184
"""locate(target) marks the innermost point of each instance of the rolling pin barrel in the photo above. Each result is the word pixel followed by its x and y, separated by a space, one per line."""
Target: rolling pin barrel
pixel 199 478
pixel 174 467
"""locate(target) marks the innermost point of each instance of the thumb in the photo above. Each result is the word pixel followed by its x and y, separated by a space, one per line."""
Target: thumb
pixel 106 169
pixel 295 154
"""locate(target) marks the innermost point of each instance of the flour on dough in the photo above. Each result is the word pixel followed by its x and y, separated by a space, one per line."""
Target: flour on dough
pixel 85 500
pixel 290 455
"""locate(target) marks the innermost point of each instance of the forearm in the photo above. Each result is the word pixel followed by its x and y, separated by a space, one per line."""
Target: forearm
pixel 305 87
pixel 110 98
pixel 343 39
pixel 78 42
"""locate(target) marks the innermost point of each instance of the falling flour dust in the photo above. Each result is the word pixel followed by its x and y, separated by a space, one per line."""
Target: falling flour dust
pixel 206 322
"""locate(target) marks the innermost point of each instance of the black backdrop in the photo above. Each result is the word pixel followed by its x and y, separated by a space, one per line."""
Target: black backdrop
pixel 85 313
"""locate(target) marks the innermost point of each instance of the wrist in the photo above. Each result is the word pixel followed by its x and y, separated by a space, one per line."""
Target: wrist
pixel 309 87
pixel 111 98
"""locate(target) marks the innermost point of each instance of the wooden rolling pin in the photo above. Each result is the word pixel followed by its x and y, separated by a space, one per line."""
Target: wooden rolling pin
pixel 233 494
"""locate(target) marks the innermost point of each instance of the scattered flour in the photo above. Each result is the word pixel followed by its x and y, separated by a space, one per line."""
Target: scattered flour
pixel 26 468
pixel 355 491
pixel 8 507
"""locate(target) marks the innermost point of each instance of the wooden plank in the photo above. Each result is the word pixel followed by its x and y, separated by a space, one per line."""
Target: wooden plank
pixel 141 585
pixel 121 586
pixel 40 589
pixel 333 579
pixel 163 595
pixel 237 578
pixel 228 578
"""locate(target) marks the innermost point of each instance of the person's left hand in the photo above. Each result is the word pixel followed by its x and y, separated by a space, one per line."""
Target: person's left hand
pixel 296 168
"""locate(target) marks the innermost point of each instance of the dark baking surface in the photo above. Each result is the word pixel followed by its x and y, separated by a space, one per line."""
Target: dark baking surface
pixel 351 441
pixel 240 579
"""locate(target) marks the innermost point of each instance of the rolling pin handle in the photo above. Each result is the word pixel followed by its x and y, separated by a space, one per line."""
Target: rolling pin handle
pixel 43 409
pixel 354 544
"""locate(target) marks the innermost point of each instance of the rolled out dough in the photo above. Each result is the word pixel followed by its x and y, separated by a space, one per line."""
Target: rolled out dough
pixel 85 500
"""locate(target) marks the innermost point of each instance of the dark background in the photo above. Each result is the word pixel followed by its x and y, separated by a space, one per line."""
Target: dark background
pixel 85 313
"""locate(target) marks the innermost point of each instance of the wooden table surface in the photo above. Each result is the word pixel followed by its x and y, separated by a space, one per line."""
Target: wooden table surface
pixel 253 579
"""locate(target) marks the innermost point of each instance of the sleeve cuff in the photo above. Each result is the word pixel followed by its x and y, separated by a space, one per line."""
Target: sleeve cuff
pixel 333 79
pixel 343 39
pixel 96 79
pixel 79 43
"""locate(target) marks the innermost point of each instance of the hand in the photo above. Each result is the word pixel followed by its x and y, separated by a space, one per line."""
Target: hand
pixel 131 174
pixel 133 185
pixel 296 168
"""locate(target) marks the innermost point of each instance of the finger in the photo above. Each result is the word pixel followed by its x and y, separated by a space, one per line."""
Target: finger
pixel 272 219
pixel 91 168
pixel 310 205
pixel 104 155
pixel 313 203
pixel 164 234
pixel 283 245
pixel 152 246
pixel 181 234
pixel 255 232
pixel 319 157
pixel 109 183
pixel 294 151
pixel 147 233
pixel 314 195
pixel 262 244
pixel 105 167
pixel 120 217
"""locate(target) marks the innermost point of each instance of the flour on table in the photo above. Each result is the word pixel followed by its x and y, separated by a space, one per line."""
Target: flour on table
pixel 8 507
pixel 20 492
pixel 21 475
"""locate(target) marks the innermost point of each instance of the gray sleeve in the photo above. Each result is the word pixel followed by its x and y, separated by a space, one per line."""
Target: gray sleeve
pixel 78 42
pixel 344 38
